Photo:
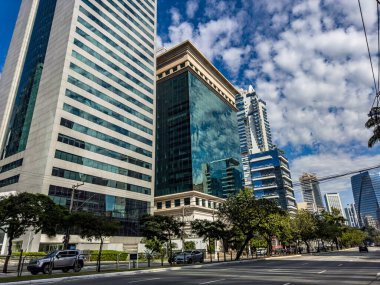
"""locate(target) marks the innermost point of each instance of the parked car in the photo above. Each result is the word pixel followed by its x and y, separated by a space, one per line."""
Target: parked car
pixel 59 259
pixel 189 257
pixel 261 251
pixel 363 248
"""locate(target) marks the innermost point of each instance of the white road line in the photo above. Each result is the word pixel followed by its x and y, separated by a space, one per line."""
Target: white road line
pixel 306 263
pixel 287 283
pixel 323 271
pixel 212 281
pixel 340 264
pixel 137 281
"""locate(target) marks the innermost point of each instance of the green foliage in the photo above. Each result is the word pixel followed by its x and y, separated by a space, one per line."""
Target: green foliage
pixel 24 211
pixel 331 226
pixel 161 228
pixel 353 237
pixel 109 255
pixel 304 226
pixel 190 245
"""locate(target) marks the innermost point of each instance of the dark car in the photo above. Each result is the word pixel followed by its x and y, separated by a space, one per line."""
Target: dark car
pixel 189 257
pixel 363 248
pixel 59 259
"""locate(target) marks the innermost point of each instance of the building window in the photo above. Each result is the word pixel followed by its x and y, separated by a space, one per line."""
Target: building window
pixel 209 204
pixel 203 202
pixel 197 201
pixel 177 202
pixel 187 201
pixel 168 204
pixel 159 205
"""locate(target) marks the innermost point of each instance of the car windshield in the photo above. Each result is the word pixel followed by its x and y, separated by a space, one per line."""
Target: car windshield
pixel 51 254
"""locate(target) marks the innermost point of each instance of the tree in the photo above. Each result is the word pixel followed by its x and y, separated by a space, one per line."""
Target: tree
pixel 353 237
pixel 190 245
pixel 26 211
pixel 162 228
pixel 96 227
pixel 374 122
pixel 273 222
pixel 304 227
pixel 331 226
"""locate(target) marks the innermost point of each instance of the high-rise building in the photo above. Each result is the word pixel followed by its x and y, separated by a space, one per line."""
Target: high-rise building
pixel 366 192
pixel 311 193
pixel 271 178
pixel 351 216
pixel 77 104
pixel 254 129
pixel 196 125
pixel 333 202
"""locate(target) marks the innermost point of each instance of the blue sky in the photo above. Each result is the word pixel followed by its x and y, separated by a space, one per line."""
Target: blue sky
pixel 306 58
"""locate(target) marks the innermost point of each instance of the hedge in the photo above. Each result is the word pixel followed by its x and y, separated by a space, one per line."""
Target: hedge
pixel 109 255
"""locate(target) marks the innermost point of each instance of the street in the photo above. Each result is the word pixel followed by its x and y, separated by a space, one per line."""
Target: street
pixel 344 267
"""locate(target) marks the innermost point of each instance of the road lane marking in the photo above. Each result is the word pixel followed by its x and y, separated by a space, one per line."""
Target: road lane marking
pixel 137 281
pixel 323 271
pixel 340 264
pixel 306 263
pixel 287 283
pixel 212 281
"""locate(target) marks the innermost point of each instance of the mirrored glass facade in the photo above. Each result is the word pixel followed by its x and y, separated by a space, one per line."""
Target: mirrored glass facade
pixel 366 192
pixel 195 127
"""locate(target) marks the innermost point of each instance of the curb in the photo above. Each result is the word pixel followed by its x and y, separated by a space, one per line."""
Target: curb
pixel 137 272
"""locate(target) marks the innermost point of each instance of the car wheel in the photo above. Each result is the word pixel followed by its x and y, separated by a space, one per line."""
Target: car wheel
pixel 46 268
pixel 65 270
pixel 77 267
pixel 201 261
pixel 34 272
pixel 190 261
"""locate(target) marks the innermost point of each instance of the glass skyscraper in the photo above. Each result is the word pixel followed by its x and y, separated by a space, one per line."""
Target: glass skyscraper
pixel 366 192
pixel 196 124
pixel 271 178
pixel 77 104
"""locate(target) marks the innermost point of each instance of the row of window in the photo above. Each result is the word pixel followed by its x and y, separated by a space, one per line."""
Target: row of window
pixel 108 99
pixel 101 136
pixel 100 165
pixel 103 151
pixel 112 65
pixel 10 166
pixel 141 19
pixel 126 24
pixel 108 86
pixel 150 5
pixel 108 125
pixel 114 78
pixel 115 56
pixel 9 180
pixel 118 37
pixel 72 175
pixel 115 45
pixel 107 111
pixel 186 201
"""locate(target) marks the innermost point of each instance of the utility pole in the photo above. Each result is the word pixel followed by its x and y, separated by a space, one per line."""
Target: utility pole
pixel 66 238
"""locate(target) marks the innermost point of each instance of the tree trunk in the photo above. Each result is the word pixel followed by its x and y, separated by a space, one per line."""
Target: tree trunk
pixel 248 238
pixel 209 249
pixel 170 251
pixel 10 243
pixel 307 246
pixel 99 256
pixel 269 247
pixel 337 243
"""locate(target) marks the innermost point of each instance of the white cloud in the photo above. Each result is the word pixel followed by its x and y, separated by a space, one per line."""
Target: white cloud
pixel 176 16
pixel 191 8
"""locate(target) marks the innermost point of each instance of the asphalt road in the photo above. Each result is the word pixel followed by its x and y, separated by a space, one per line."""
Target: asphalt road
pixel 345 267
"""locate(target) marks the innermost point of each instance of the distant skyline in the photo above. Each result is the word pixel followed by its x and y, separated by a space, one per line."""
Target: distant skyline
pixel 306 59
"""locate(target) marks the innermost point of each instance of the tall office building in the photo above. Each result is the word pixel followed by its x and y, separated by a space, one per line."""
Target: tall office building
pixel 366 192
pixel 196 126
pixel 351 216
pixel 311 193
pixel 271 178
pixel 333 202
pixel 254 129
pixel 77 104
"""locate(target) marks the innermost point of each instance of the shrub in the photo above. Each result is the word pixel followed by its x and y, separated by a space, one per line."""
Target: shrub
pixel 109 255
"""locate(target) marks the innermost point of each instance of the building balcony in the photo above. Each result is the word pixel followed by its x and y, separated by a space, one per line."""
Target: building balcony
pixel 266 186
pixel 292 207
pixel 271 197
pixel 263 167
pixel 287 177
pixel 283 158
pixel 288 186
pixel 262 177
pixel 283 166
pixel 289 196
